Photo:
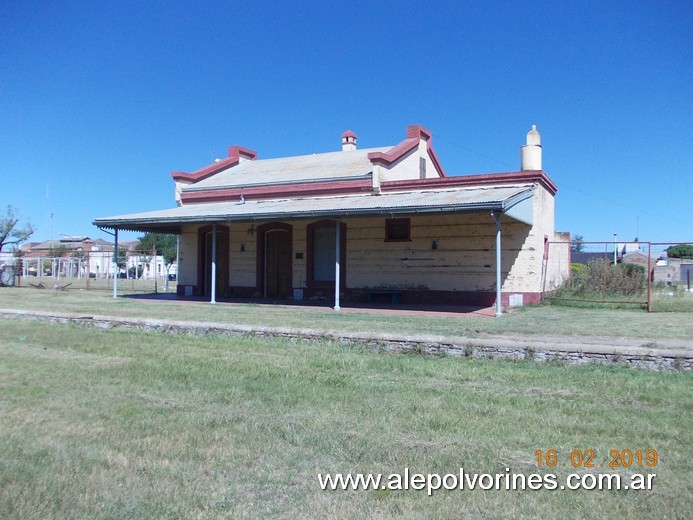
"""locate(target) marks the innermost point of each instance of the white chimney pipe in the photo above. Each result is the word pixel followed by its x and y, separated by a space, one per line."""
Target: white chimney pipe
pixel 530 154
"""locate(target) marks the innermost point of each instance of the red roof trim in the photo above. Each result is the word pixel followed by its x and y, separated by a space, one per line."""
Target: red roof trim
pixel 414 135
pixel 237 151
pixel 308 189
pixel 205 172
pixel 473 180
pixel 434 159
pixel 235 154
pixel 394 153
pixel 419 132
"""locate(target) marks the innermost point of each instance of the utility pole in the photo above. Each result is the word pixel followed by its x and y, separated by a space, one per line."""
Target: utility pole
pixel 615 249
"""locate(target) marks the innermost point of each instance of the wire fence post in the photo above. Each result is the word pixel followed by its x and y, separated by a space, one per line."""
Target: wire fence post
pixel 606 256
pixel 87 271
pixel 649 277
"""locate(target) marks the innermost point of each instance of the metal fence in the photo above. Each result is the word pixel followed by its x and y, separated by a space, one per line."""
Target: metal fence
pixel 621 273
pixel 137 271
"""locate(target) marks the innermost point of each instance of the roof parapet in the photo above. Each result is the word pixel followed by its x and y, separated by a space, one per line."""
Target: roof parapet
pixel 237 154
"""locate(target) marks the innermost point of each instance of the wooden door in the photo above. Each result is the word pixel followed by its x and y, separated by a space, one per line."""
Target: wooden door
pixel 277 264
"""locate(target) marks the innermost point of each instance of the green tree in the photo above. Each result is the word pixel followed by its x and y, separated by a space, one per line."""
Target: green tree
pixel 122 259
pixel 10 231
pixel 680 251
pixel 165 245
pixel 576 245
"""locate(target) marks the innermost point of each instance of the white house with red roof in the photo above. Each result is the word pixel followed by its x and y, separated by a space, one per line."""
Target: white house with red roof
pixel 382 224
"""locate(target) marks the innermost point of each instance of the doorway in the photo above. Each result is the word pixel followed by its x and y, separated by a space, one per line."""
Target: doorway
pixel 321 253
pixel 205 239
pixel 274 260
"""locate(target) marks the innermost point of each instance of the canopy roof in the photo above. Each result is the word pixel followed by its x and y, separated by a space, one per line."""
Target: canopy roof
pixel 515 201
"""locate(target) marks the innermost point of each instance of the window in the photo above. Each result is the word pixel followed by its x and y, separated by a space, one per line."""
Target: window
pixel 422 168
pixel 397 230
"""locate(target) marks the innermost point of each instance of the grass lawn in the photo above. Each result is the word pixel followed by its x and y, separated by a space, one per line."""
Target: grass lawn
pixel 125 424
pixel 534 320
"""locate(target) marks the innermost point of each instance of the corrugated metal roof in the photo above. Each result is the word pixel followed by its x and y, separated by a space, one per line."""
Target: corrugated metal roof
pixel 499 198
pixel 286 170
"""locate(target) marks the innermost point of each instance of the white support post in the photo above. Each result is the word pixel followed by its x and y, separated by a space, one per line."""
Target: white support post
pixel 499 308
pixel 115 264
pixel 337 240
pixel 214 264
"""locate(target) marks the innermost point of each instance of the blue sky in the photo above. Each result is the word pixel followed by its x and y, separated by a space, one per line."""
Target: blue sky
pixel 100 101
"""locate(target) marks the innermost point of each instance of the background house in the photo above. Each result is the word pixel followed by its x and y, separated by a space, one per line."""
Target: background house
pixel 663 270
pixel 361 224
pixel 670 271
pixel 75 256
pixel 72 256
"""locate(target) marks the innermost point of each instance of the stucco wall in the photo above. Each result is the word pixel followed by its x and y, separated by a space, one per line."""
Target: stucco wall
pixel 187 256
pixel 463 258
pixel 407 168
pixel 558 261
pixel 242 263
